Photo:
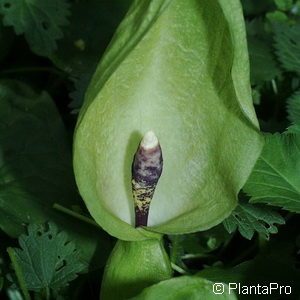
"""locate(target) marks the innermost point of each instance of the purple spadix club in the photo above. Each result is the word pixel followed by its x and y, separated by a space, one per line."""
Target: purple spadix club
pixel 146 170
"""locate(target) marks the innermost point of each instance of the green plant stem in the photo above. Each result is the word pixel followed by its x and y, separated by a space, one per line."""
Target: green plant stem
pixel 19 274
pixel 75 214
pixel 195 256
pixel 274 87
pixel 175 248
pixel 178 269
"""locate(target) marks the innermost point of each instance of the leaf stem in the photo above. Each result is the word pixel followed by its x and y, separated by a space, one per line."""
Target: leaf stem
pixel 178 269
pixel 75 214
pixel 19 274
pixel 195 256
pixel 274 86
pixel 174 249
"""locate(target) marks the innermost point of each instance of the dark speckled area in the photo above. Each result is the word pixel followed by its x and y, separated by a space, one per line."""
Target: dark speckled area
pixel 146 170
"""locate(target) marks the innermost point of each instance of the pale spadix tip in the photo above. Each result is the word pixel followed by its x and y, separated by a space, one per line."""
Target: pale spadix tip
pixel 149 141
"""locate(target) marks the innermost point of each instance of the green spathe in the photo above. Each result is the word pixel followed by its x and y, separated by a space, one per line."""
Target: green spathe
pixel 179 68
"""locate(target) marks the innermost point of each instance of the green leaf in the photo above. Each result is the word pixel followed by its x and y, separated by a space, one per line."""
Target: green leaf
pixel 195 245
pixel 256 27
pixel 201 242
pixel 278 16
pixel 80 85
pixel 293 108
pixel 36 169
pixel 80 50
pixel 295 83
pixel 284 4
pixel 40 21
pixel 177 253
pixel 167 69
pixel 295 128
pixel 275 263
pixel 275 178
pixel 262 63
pixel 287 44
pixel 6 40
pixel 249 218
pixel 256 7
pixel 47 258
pixel 256 95
pixel 82 46
pixel 184 287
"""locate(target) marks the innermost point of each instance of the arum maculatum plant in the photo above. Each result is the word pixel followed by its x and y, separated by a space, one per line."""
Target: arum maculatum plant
pixel 167 135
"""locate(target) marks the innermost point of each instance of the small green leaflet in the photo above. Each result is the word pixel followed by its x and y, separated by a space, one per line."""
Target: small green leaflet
pixel 287 45
pixel 249 218
pixel 275 179
pixel 40 21
pixel 293 108
pixel 47 259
